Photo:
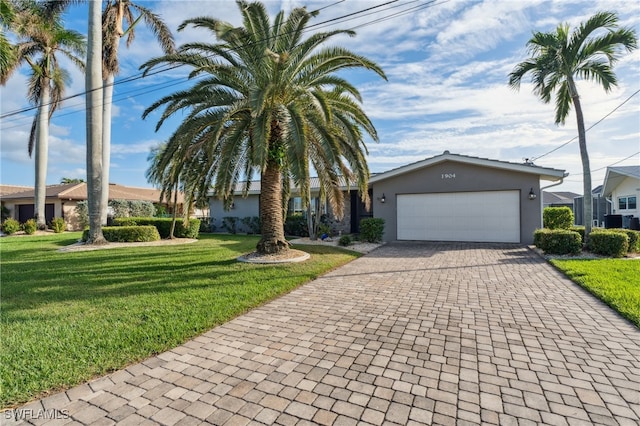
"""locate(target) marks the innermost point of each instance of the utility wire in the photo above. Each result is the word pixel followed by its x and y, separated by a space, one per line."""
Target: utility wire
pixel 591 127
pixel 172 67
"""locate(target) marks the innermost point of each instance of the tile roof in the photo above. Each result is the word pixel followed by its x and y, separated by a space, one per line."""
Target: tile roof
pixel 78 191
pixel 12 189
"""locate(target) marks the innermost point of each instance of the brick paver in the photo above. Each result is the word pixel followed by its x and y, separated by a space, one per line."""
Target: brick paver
pixel 412 333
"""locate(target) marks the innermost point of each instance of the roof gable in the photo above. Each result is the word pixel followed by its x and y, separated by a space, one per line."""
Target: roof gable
pixel 615 175
pixel 544 172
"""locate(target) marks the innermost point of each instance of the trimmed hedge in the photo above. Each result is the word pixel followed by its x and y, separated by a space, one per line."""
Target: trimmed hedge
pixel 557 217
pixel 634 238
pixel 163 224
pixel 127 234
pixel 557 241
pixel 345 240
pixel 579 230
pixel 609 243
pixel 371 229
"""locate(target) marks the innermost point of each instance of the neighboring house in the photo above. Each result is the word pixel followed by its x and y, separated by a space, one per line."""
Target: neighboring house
pixel 61 201
pixel 449 197
pixel 621 188
pixel 600 209
pixel 558 199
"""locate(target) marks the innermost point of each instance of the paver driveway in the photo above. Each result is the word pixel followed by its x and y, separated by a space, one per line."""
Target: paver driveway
pixel 411 333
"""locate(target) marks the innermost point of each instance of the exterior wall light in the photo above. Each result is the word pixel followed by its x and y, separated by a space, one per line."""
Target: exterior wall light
pixel 383 199
pixel 532 195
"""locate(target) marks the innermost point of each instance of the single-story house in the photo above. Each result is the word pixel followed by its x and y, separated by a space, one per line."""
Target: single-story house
pixel 449 197
pixel 61 201
pixel 621 187
pixel 558 199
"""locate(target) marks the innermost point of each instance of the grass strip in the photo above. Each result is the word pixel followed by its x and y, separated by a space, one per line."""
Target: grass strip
pixel 614 281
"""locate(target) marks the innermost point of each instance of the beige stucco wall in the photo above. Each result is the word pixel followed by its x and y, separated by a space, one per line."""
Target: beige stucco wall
pixel 468 177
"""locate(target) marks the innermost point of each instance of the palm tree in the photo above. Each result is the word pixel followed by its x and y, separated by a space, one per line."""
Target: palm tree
pixel 113 17
pixel 560 58
pixel 41 39
pixel 7 53
pixel 66 180
pixel 269 102
pixel 93 87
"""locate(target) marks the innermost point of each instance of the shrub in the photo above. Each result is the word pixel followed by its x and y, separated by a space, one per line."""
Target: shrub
pixel 296 224
pixel 251 224
pixel 58 225
pixel 345 240
pixel 371 229
pixel 634 239
pixel 135 208
pixel 557 241
pixel 579 230
pixel 206 224
pixel 82 210
pixel 230 223
pixel 557 217
pixel 609 243
pixel 189 229
pixel 127 234
pixel 30 227
pixel 10 226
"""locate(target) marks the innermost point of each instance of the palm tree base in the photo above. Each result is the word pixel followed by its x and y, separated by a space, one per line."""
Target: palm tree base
pixel 272 246
pixel 288 256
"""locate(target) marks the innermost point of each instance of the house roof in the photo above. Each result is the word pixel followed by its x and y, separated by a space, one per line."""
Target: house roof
pixel 545 173
pixel 12 189
pixel 78 191
pixel 254 187
pixel 615 175
pixel 558 197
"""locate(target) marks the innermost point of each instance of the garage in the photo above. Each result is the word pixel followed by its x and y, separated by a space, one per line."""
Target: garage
pixel 485 216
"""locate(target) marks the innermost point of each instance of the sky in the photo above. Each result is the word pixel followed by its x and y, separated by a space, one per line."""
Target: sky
pixel 447 64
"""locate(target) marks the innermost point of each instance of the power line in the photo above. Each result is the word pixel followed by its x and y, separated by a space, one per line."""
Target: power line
pixel 604 167
pixel 142 75
pixel 591 127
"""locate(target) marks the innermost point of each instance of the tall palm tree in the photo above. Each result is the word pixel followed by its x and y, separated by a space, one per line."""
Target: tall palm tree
pixel 116 12
pixel 41 40
pixel 560 58
pixel 93 87
pixel 269 102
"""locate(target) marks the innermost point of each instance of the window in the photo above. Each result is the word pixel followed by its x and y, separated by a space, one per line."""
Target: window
pixel 627 203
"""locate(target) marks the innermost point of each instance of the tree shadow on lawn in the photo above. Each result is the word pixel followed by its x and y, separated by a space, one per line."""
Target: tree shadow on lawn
pixel 106 274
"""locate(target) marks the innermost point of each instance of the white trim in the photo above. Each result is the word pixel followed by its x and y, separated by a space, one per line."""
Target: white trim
pixel 544 172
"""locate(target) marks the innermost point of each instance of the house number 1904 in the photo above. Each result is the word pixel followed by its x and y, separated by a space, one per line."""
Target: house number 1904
pixel 448 175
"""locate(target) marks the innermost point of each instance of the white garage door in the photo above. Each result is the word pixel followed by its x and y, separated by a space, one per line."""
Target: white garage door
pixel 490 216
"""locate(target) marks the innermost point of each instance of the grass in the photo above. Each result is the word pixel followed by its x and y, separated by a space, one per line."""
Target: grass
pixel 69 317
pixel 614 281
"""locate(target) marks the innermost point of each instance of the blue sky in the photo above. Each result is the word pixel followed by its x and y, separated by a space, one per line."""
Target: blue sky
pixel 447 63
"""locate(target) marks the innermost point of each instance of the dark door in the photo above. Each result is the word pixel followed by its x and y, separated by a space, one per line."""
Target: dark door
pixel 359 211
pixel 27 211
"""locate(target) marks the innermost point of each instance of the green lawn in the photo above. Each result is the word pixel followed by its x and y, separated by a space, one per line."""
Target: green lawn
pixel 615 281
pixel 70 316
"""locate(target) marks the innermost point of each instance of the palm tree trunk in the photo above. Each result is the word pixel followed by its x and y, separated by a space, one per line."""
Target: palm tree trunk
pixel 586 168
pixel 106 146
pixel 175 212
pixel 94 122
pixel 272 225
pixel 42 152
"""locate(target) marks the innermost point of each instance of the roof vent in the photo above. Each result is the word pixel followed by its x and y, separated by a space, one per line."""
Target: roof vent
pixel 446 152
